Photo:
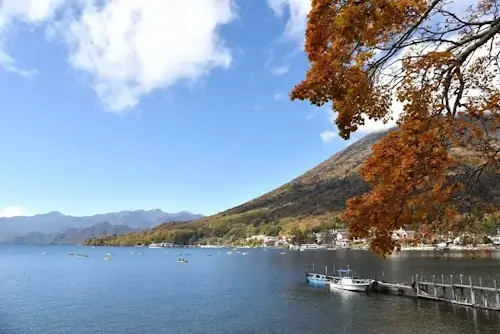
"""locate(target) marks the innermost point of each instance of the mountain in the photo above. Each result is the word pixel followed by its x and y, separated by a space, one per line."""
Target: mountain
pixel 55 222
pixel 313 198
pixel 72 236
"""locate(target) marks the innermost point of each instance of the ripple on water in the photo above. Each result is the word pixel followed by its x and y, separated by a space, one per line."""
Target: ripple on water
pixel 260 293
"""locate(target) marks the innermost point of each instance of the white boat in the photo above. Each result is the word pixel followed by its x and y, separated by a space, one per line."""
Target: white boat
pixel 156 246
pixel 346 281
pixel 107 258
pixel 304 247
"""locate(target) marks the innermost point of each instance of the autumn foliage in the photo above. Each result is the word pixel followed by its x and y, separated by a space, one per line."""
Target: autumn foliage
pixel 438 63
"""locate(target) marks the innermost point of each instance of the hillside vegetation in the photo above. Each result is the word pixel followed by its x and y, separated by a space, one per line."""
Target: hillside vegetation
pixel 313 199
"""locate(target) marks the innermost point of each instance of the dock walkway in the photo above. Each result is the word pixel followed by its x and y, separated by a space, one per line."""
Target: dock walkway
pixel 472 293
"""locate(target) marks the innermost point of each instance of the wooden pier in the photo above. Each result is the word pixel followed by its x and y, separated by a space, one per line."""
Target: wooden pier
pixel 446 289
pixel 460 290
pixel 460 293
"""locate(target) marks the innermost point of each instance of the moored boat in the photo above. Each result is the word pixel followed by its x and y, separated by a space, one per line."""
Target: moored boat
pixel 320 279
pixel 346 281
pixel 182 261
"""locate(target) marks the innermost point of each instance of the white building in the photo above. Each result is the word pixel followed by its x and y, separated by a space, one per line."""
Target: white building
pixel 260 237
pixel 403 234
pixel 268 240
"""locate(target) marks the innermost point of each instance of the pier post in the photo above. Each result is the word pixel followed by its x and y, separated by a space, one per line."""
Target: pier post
pixel 435 288
pixel 472 294
pixel 462 289
pixel 483 297
pixel 497 294
pixel 418 287
pixel 326 270
pixel 453 297
pixel 444 288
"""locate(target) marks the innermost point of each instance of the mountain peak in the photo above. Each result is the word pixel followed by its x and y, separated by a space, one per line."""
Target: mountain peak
pixel 55 222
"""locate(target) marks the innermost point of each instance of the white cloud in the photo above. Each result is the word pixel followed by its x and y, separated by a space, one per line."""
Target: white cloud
pixel 296 24
pixel 13 211
pixel 9 64
pixel 22 12
pixel 129 48
pixel 327 136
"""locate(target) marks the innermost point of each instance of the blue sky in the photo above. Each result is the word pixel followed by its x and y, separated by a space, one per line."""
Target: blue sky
pixel 178 105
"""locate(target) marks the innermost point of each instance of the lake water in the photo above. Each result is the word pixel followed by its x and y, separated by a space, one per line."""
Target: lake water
pixel 264 292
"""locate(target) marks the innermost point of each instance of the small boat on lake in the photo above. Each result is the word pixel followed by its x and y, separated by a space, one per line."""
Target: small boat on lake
pixel 346 281
pixel 107 258
pixel 45 253
pixel 182 261
pixel 320 279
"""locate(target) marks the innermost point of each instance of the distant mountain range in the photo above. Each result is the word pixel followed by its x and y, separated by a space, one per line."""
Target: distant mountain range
pixel 55 225
pixel 72 235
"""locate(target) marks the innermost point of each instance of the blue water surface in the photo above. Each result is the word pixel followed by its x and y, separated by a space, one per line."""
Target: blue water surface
pixel 264 292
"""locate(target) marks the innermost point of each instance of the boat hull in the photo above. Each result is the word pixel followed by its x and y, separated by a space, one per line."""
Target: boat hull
pixel 359 287
pixel 316 281
pixel 319 279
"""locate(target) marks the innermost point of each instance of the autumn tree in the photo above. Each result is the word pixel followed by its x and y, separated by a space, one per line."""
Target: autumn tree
pixel 434 65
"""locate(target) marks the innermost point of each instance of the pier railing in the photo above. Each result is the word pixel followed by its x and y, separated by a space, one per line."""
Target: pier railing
pixel 459 292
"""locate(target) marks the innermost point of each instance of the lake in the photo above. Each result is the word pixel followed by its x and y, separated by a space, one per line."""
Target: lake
pixel 264 292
